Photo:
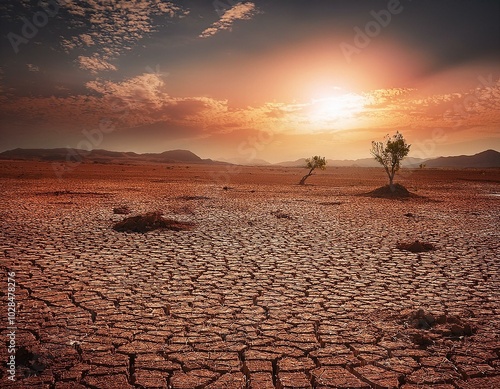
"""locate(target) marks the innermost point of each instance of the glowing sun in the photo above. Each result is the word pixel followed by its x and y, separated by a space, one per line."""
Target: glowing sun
pixel 333 108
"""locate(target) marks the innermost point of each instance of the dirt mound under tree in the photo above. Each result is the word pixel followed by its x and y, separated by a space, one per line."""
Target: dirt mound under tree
pixel 151 221
pixel 397 192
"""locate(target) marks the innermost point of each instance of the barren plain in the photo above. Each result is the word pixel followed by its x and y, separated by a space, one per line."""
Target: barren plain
pixel 277 285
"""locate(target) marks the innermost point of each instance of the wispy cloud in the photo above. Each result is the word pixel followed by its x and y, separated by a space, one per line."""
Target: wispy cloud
pixel 407 107
pixel 110 28
pixel 94 64
pixel 240 11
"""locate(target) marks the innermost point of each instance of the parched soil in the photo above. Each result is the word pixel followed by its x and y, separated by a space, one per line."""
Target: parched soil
pixel 277 286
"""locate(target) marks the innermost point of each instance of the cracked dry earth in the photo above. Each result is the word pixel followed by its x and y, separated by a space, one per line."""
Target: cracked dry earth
pixel 277 286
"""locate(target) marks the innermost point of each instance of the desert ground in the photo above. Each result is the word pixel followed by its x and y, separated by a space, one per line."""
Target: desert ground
pixel 276 286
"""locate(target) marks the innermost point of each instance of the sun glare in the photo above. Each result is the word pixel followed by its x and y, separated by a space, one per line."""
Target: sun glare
pixel 333 108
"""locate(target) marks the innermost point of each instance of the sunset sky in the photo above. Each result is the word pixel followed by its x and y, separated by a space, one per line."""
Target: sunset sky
pixel 247 80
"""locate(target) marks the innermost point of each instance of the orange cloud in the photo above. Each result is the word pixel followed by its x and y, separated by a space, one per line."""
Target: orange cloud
pixel 143 105
pixel 241 11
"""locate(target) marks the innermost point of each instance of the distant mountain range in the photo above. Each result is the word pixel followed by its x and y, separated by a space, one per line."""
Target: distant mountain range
pixel 363 162
pixel 104 156
pixel 485 159
pixel 488 158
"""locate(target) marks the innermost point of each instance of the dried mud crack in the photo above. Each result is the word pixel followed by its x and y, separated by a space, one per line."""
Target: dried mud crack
pixel 320 299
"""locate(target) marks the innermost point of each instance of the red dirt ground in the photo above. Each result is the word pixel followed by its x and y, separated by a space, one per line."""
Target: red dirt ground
pixel 277 285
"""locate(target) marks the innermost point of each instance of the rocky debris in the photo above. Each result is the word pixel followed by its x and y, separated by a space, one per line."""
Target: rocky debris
pixel 422 340
pixel 436 326
pixel 149 222
pixel 422 320
pixel 416 246
pixel 31 364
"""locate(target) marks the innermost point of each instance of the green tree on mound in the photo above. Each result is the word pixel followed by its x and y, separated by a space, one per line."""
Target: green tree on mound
pixel 390 153
pixel 312 163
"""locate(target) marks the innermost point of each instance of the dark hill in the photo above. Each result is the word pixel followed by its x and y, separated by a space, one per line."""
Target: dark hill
pixel 103 156
pixel 488 158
